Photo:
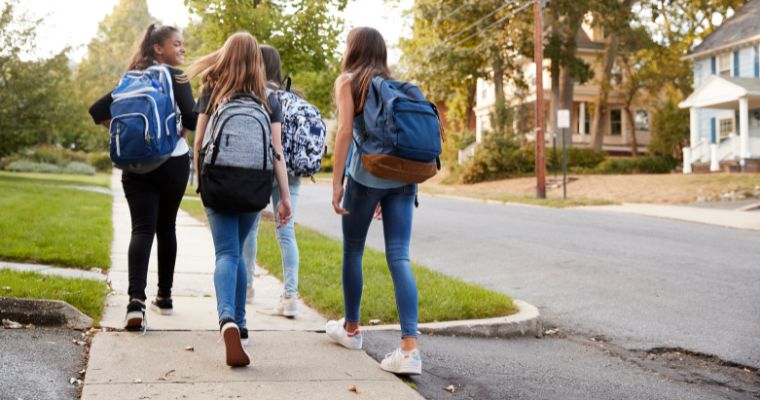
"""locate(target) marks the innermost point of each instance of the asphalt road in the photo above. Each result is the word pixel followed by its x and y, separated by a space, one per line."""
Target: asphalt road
pixel 639 282
pixel 39 363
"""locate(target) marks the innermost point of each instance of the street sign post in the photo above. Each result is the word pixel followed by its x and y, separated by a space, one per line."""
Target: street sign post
pixel 563 123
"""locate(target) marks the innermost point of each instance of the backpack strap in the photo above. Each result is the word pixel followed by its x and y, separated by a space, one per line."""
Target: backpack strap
pixel 287 82
pixel 245 96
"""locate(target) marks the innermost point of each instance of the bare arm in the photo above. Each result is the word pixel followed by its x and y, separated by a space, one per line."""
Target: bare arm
pixel 345 103
pixel 284 210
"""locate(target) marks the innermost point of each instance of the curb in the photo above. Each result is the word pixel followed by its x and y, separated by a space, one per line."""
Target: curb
pixel 44 313
pixel 526 322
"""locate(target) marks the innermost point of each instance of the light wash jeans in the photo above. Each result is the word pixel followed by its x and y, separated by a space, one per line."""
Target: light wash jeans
pixel 286 237
pixel 229 232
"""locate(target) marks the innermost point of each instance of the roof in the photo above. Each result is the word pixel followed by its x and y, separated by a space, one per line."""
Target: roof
pixel 585 42
pixel 741 27
pixel 722 91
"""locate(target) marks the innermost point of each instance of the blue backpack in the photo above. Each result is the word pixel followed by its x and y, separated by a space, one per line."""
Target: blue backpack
pixel 400 135
pixel 144 120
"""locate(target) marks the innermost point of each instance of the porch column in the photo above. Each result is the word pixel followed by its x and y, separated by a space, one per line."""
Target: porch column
pixel 582 120
pixel 694 129
pixel 743 128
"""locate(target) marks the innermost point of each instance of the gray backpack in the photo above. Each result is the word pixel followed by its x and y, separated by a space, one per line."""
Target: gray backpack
pixel 237 171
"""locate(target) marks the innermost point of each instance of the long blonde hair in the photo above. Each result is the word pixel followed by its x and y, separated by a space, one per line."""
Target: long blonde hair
pixel 236 68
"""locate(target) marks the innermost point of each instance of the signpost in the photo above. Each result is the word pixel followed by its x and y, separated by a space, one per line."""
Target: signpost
pixel 563 123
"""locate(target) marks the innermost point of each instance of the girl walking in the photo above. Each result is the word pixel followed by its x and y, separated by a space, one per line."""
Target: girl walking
pixel 154 197
pixel 236 74
pixel 365 58
pixel 286 234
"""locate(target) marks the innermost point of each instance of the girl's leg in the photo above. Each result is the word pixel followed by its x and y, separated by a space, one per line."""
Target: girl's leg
pixel 173 177
pixel 225 232
pixel 142 198
pixel 245 223
pixel 249 250
pixel 286 237
pixel 398 208
pixel 360 201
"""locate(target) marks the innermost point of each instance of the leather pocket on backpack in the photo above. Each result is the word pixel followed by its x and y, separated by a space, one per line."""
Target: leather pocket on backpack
pixel 398 169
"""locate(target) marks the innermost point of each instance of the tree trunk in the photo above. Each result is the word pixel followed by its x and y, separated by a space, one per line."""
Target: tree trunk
pixel 554 71
pixel 631 129
pixel 498 83
pixel 600 108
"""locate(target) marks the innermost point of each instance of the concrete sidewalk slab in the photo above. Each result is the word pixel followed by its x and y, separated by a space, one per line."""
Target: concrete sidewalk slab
pixel 748 220
pixel 284 364
pixel 54 271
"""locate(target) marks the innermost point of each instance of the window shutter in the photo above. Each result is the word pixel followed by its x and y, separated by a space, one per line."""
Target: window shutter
pixel 757 61
pixel 714 65
pixel 713 132
pixel 736 63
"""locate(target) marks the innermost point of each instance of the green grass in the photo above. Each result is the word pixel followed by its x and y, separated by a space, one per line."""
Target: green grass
pixel 44 222
pixel 548 202
pixel 190 191
pixel 101 180
pixel 85 294
pixel 195 209
pixel 441 298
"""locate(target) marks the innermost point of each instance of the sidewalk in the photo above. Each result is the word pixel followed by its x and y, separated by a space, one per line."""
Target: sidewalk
pixel 749 220
pixel 182 356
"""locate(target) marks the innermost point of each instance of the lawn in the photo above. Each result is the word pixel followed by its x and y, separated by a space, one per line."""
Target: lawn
pixel 85 294
pixel 606 189
pixel 441 298
pixel 46 222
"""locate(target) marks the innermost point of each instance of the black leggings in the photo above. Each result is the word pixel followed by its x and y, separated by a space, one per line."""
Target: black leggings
pixel 154 199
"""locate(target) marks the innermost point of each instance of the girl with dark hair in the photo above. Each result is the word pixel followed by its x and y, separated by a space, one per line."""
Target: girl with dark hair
pixel 154 197
pixel 367 195
pixel 286 235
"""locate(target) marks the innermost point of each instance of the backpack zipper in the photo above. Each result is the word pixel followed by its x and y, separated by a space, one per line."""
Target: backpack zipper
pixel 155 108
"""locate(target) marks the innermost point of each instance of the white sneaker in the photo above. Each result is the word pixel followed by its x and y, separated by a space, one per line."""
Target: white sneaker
pixel 403 362
pixel 287 307
pixel 338 334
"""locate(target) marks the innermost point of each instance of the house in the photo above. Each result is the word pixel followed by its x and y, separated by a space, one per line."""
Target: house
pixel 616 134
pixel 725 105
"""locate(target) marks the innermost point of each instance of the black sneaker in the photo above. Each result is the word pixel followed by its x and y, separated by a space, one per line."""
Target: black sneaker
pixel 135 319
pixel 162 305
pixel 244 336
pixel 235 352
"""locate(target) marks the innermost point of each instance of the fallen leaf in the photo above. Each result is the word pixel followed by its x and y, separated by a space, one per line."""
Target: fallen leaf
pixel 551 332
pixel 77 342
pixel 82 371
pixel 137 380
pixel 374 322
pixel 29 326
pixel 75 381
pixel 451 388
pixel 189 348
pixel 8 324
pixel 165 376
pixel 354 389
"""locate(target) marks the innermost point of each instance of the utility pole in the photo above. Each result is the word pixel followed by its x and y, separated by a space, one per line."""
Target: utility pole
pixel 538 53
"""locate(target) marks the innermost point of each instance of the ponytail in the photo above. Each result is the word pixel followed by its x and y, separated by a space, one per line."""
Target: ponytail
pixel 144 56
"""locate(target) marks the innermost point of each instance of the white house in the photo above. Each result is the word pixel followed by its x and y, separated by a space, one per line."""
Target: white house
pixel 725 105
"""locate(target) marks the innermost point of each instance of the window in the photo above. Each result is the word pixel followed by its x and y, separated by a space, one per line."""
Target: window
pixel 641 119
pixel 724 64
pixel 725 127
pixel 616 122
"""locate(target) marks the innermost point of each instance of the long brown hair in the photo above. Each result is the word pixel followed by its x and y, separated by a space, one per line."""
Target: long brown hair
pixel 144 56
pixel 365 57
pixel 236 68
pixel 272 64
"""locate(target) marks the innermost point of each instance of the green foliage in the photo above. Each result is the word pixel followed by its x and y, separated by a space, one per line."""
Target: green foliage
pixel 327 163
pixel 101 161
pixel 79 168
pixel 455 141
pixel 87 295
pixel 305 32
pixel 44 222
pixel 33 166
pixel 671 130
pixel 577 158
pixel 498 157
pixel 637 165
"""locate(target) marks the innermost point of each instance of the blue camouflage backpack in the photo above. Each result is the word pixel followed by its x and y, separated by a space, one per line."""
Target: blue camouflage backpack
pixel 303 133
pixel 145 120
pixel 400 135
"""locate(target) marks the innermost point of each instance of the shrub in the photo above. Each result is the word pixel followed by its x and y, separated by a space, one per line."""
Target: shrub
pixel 639 165
pixel 79 168
pixel 32 166
pixel 101 161
pixel 327 163
pixel 497 157
pixel 50 154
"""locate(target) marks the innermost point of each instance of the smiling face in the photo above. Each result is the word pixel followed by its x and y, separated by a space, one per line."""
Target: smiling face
pixel 171 51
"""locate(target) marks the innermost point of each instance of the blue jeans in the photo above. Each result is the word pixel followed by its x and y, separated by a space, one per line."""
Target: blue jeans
pixel 398 206
pixel 229 232
pixel 286 237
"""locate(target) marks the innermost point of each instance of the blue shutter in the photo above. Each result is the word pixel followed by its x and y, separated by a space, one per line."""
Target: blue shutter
pixel 713 131
pixel 736 63
pixel 714 65
pixel 757 61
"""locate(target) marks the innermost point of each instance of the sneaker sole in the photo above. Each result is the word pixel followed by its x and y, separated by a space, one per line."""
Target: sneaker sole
pixel 134 321
pixel 162 311
pixel 404 371
pixel 236 354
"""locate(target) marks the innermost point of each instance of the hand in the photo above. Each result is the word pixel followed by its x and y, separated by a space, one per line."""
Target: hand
pixel 283 213
pixel 378 213
pixel 337 199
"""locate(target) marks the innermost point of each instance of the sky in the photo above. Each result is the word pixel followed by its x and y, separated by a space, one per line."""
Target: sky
pixel 74 22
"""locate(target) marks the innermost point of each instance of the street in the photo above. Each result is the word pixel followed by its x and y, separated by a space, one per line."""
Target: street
pixel 635 282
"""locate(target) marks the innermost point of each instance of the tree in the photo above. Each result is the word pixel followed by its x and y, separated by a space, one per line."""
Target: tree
pixel 305 32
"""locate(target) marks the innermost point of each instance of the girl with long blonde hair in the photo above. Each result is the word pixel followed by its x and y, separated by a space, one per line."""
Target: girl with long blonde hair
pixel 236 69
